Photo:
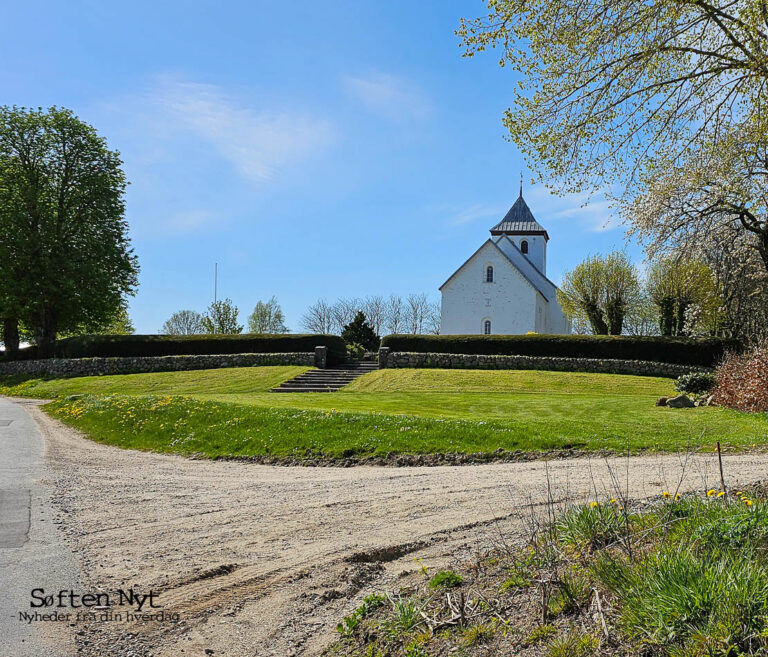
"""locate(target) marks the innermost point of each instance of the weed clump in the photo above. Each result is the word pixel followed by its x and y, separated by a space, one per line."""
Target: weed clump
pixel 445 579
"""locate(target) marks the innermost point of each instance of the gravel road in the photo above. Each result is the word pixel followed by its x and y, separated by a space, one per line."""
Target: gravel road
pixel 264 560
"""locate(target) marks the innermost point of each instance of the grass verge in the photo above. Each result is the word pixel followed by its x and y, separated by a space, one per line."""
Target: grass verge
pixel 185 425
pixel 684 577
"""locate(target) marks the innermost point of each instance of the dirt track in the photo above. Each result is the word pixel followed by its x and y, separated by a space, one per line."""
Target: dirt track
pixel 264 560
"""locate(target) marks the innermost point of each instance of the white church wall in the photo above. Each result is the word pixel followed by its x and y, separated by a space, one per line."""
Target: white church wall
pixel 558 323
pixel 467 300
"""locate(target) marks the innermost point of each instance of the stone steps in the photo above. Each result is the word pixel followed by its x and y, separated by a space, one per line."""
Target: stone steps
pixel 330 379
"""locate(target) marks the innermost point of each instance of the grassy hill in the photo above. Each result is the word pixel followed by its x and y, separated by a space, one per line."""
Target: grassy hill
pixel 231 412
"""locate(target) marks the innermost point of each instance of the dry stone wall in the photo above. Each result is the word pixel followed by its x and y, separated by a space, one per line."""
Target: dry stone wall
pixel 401 359
pixel 131 365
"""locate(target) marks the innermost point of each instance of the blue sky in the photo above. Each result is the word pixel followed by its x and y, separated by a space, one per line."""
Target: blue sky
pixel 312 149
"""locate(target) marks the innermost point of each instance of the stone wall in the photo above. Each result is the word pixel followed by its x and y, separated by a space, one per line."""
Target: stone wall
pixel 400 359
pixel 128 365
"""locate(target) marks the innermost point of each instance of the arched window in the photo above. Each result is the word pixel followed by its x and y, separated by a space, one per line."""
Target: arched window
pixel 489 274
pixel 524 246
pixel 487 327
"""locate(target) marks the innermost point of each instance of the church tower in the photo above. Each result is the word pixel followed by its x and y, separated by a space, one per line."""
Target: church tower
pixel 528 234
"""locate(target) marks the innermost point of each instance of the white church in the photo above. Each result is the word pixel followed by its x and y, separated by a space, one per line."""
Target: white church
pixel 503 289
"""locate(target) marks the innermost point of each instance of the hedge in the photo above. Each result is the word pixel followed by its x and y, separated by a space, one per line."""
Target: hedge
pixel 108 346
pixel 705 352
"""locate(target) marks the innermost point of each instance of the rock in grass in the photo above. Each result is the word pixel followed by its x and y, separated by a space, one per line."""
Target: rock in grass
pixel 681 401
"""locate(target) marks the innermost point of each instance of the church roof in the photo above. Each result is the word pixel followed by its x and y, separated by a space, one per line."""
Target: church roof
pixel 519 221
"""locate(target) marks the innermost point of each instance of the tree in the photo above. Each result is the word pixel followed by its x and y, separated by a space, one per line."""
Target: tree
pixel 65 256
pixel 393 314
pixel 267 317
pixel 221 318
pixel 684 293
pixel 184 322
pixel 417 310
pixel 706 196
pixel 608 86
pixel 359 331
pixel 600 291
pixel 642 317
pixel 432 325
pixel 318 318
pixel 741 281
pixel 343 312
pixel 374 308
pixel 663 101
pixel 118 324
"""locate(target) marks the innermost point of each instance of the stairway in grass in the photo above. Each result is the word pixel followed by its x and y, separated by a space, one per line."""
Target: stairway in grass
pixel 327 380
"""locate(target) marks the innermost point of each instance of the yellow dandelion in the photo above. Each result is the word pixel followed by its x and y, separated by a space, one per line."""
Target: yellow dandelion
pixel 711 492
pixel 593 504
pixel 666 494
pixel 677 497
pixel 721 493
pixel 613 501
pixel 747 502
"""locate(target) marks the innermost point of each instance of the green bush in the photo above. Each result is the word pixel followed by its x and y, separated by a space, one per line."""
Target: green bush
pixel 704 352
pixel 355 351
pixel 90 346
pixel 696 382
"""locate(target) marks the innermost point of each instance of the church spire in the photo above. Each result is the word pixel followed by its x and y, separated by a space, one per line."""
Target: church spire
pixel 521 183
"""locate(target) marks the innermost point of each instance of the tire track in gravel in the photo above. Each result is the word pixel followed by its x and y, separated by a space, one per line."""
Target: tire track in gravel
pixel 265 560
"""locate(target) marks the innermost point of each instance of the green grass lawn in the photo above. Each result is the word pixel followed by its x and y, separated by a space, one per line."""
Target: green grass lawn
pixel 236 380
pixel 229 411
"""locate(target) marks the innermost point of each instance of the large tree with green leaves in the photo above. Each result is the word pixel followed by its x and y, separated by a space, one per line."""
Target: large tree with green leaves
pixel 662 102
pixel 221 318
pixel 267 317
pixel 685 294
pixel 600 292
pixel 65 256
pixel 607 84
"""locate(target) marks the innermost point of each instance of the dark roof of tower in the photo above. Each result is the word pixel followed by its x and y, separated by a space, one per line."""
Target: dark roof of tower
pixel 519 221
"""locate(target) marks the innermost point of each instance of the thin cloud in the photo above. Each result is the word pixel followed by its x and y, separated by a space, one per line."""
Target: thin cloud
pixel 259 142
pixel 476 212
pixel 193 220
pixel 388 96
pixel 593 213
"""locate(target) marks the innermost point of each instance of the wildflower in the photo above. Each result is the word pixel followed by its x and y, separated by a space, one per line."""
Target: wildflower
pixel 677 497
pixel 593 504
pixel 711 492
pixel 721 493
pixel 747 502
pixel 666 494
pixel 613 501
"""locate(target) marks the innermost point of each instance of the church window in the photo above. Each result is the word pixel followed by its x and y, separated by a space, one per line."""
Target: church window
pixel 487 327
pixel 489 274
pixel 524 246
